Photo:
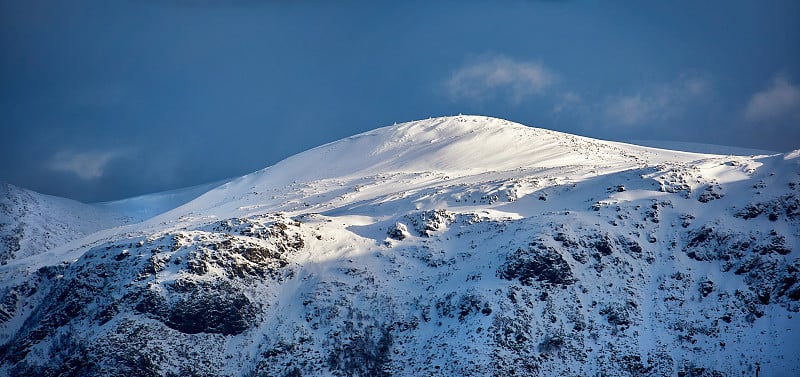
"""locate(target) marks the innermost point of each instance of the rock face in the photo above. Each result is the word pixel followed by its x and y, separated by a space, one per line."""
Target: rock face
pixel 690 269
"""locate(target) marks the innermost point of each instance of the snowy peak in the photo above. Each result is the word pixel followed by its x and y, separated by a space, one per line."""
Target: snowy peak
pixel 455 144
pixel 461 149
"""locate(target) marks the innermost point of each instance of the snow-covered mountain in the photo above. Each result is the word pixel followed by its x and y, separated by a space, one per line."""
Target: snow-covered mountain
pixel 31 223
pixel 443 247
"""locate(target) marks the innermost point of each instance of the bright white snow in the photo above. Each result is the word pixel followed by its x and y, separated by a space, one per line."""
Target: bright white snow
pixel 467 192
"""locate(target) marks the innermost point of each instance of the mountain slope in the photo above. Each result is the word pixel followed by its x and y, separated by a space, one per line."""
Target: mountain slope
pixel 421 154
pixel 449 246
pixel 31 223
pixel 143 207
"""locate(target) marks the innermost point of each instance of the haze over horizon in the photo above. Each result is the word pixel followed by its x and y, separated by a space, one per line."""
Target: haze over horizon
pixel 107 100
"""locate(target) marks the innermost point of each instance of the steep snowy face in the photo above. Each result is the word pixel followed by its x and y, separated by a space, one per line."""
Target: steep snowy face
pixel 444 247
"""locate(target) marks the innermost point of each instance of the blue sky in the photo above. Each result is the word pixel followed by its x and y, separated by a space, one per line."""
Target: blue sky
pixel 102 100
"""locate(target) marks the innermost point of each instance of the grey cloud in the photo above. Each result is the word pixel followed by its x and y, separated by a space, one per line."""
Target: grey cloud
pixel 493 76
pixel 780 100
pixel 657 103
pixel 87 165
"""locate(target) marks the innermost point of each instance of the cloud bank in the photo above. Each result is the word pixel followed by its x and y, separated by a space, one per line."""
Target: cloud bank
pixel 86 165
pixel 780 100
pixel 657 103
pixel 494 76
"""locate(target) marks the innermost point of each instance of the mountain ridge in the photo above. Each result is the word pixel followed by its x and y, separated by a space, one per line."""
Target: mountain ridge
pixel 455 144
pixel 31 222
pixel 451 246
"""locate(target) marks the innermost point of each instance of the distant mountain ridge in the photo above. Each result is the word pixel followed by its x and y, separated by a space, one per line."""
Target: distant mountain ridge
pixel 450 246
pixel 31 223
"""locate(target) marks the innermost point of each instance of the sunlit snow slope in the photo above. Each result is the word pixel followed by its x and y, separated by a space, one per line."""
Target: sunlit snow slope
pixel 415 156
pixel 443 247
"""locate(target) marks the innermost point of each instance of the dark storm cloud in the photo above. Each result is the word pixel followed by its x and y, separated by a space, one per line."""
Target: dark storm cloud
pixel 102 99
pixel 211 2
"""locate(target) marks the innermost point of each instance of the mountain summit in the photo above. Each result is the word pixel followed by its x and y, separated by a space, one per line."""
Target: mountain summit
pixel 450 246
pixel 466 149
